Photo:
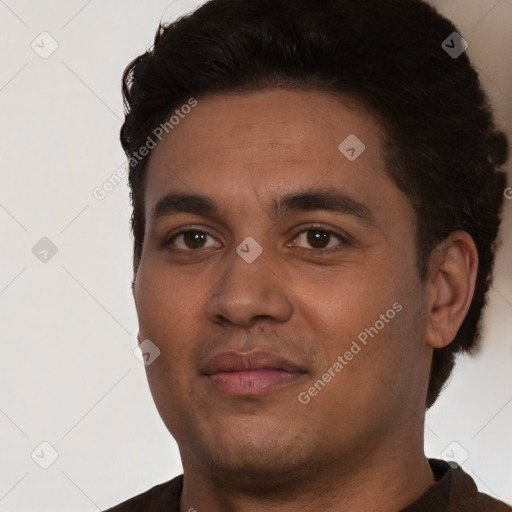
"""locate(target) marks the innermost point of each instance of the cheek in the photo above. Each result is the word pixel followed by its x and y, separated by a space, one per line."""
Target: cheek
pixel 167 310
pixel 350 300
pixel 371 314
pixel 165 301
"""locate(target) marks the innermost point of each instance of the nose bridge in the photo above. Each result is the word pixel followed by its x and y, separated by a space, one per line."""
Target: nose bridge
pixel 248 285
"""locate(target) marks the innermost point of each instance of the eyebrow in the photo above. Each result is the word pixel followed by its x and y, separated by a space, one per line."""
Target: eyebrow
pixel 313 199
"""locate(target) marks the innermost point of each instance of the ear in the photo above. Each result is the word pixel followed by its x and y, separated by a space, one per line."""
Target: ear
pixel 450 287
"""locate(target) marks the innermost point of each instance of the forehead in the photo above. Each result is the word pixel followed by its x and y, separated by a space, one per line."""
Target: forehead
pixel 239 147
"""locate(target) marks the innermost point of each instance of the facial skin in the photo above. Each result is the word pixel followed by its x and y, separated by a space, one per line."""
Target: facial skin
pixel 358 443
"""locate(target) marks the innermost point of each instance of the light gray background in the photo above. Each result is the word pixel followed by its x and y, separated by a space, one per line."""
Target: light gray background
pixel 68 375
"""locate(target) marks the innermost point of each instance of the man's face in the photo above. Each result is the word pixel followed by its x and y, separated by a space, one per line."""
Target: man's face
pixel 210 302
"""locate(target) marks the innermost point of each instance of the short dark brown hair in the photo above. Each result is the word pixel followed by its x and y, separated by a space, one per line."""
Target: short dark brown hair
pixel 442 148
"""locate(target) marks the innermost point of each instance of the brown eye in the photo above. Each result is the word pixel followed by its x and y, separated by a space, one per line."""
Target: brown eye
pixel 321 239
pixel 191 239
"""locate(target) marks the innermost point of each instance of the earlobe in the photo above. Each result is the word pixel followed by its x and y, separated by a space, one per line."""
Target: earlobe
pixel 450 287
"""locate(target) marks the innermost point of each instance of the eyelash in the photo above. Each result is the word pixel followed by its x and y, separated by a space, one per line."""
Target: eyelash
pixel 321 229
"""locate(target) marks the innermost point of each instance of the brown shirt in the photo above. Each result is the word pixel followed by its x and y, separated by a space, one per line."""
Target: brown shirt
pixel 454 491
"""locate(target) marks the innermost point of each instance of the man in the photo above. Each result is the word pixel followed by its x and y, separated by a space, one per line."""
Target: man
pixel 317 195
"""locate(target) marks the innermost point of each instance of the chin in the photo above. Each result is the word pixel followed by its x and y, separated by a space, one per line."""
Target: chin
pixel 266 461
pixel 254 472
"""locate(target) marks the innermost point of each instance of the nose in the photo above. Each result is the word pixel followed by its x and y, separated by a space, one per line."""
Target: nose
pixel 247 290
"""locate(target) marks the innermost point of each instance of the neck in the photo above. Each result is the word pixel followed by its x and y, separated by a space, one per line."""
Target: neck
pixel 383 481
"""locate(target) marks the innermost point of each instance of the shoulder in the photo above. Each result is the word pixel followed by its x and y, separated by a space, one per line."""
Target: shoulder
pixel 465 495
pixel 454 490
pixel 164 497
pixel 488 503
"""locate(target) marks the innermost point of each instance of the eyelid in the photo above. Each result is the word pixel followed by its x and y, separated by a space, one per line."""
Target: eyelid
pixel 186 229
pixel 344 238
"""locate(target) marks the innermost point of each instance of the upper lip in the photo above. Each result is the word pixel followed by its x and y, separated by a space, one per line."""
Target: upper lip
pixel 255 360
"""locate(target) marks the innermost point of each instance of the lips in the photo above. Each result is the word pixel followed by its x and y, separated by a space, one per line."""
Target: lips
pixel 251 373
pixel 256 360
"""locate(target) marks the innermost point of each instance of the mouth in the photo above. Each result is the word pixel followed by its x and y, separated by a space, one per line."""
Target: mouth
pixel 251 373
